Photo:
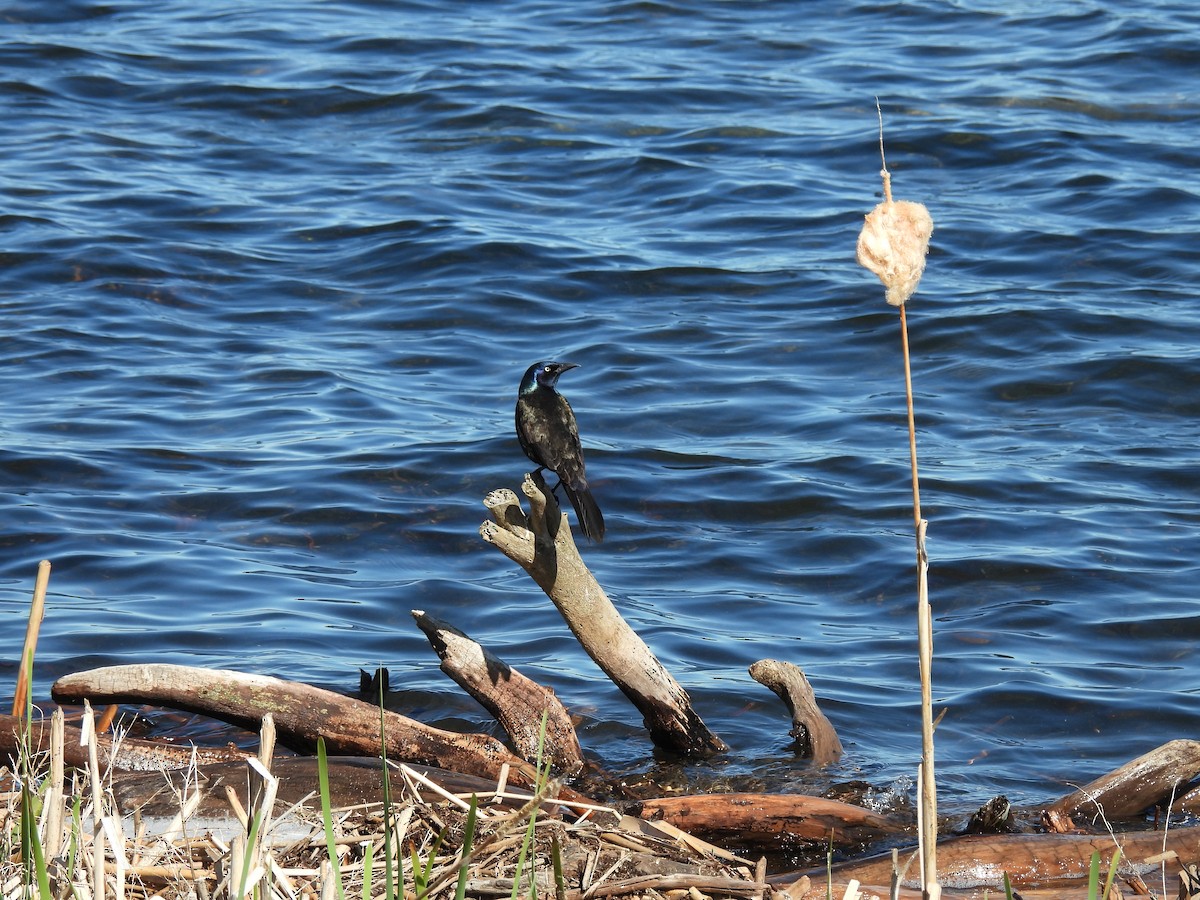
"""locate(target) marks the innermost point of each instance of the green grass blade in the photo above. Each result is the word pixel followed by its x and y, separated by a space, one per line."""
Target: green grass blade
pixel 327 815
pixel 251 839
pixel 1112 873
pixel 33 857
pixel 420 874
pixel 560 882
pixel 368 864
pixel 520 867
pixel 31 845
pixel 389 876
pixel 1094 876
pixel 460 892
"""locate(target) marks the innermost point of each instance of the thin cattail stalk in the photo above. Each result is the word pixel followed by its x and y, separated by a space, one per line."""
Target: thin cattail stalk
pixel 928 793
pixel 36 611
pixel 893 244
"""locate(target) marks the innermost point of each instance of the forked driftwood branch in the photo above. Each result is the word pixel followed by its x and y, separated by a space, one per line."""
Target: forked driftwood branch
pixel 541 543
pixel 518 703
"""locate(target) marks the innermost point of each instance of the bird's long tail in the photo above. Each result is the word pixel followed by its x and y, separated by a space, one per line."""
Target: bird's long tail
pixel 591 520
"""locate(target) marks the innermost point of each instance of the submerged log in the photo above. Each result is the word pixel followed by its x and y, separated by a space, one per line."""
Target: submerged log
pixel 124 755
pixel 541 543
pixel 352 781
pixel 764 821
pixel 517 702
pixel 1151 779
pixel 302 714
pixel 814 734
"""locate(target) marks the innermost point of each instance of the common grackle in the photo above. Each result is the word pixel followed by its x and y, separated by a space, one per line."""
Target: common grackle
pixel 549 436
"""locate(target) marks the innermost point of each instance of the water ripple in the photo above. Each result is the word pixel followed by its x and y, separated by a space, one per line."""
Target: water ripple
pixel 272 275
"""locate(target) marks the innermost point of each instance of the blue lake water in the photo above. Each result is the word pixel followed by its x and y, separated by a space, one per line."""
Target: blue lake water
pixel 271 273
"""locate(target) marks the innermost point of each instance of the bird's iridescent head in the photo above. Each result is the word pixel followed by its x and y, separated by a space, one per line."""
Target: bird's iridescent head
pixel 544 374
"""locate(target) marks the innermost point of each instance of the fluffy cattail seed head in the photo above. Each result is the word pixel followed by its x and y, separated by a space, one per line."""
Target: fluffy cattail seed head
pixel 893 243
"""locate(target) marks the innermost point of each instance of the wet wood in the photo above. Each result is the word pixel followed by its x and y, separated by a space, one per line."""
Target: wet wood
pixel 518 703
pixel 1188 802
pixel 1132 788
pixel 541 543
pixel 762 821
pixel 126 755
pixel 1040 861
pixel 302 713
pixel 815 735
pixel 353 782
pixel 883 892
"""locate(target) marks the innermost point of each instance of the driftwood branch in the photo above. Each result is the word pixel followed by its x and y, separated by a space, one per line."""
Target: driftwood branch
pixel 1045 860
pixel 541 543
pixel 814 734
pixel 302 714
pixel 1132 788
pixel 764 820
pixel 517 702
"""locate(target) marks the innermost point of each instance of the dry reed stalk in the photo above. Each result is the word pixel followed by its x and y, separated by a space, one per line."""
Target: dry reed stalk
pixel 412 775
pixel 52 821
pixel 264 787
pixel 893 244
pixel 87 739
pixel 36 611
pixel 115 836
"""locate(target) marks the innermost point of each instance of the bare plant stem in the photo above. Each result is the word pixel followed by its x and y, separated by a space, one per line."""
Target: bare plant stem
pixel 36 611
pixel 928 785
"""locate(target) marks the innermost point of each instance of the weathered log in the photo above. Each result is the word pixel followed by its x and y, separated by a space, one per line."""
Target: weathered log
pixel 807 888
pixel 815 735
pixel 126 755
pixel 762 821
pixel 302 714
pixel 517 702
pixel 353 782
pixel 541 543
pixel 1031 860
pixel 1188 802
pixel 1129 790
pixel 838 888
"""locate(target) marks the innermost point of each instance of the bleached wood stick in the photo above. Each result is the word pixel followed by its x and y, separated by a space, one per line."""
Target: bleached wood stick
pixel 541 543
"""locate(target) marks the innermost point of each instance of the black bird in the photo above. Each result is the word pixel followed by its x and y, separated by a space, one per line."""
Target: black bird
pixel 549 436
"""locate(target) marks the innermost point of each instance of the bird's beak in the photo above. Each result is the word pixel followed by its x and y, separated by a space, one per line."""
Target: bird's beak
pixel 562 367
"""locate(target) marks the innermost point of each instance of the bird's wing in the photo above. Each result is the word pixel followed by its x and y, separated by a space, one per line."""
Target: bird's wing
pixel 548 433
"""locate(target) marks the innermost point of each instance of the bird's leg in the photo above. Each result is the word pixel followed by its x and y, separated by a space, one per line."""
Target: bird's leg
pixel 553 490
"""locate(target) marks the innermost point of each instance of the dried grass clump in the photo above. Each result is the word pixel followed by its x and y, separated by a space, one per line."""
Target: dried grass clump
pixel 68 838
